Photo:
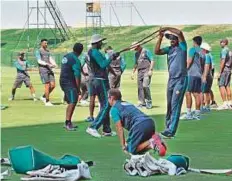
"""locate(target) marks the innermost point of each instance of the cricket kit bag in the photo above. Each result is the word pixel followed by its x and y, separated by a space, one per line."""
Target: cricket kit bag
pixel 27 158
pixel 146 165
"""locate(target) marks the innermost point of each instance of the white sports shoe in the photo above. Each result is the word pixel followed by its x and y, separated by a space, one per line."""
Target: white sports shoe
pixel 11 98
pixel 222 107
pixel 93 132
pixel 186 116
pixel 48 103
pixel 43 99
pixel 84 102
pixel 112 133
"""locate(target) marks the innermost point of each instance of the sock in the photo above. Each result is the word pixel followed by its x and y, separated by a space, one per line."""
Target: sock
pixel 225 103
pixel 33 95
pixel 207 106
pixel 151 143
pixel 197 112
pixel 67 122
pixel 188 111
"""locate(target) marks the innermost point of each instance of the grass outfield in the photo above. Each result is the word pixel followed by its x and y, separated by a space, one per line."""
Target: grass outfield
pixel 206 142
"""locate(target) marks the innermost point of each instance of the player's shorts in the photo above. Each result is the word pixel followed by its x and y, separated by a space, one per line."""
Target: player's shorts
pixel 194 84
pixel 98 86
pixel 206 87
pixel 224 80
pixel 47 77
pixel 20 80
pixel 70 94
pixel 139 134
pixel 114 81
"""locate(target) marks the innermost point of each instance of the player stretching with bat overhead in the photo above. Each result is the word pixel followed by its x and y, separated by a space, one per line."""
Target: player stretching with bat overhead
pixel 46 63
pixel 22 76
pixel 177 83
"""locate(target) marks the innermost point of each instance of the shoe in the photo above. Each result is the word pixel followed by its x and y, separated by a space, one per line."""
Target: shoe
pixel 213 105
pixel 11 98
pixel 93 132
pixel 35 99
pixel 222 107
pixel 69 127
pixel 197 117
pixel 205 110
pixel 112 133
pixel 166 134
pixel 158 144
pixel 186 116
pixel 43 99
pixel 84 103
pixel 74 126
pixel 89 119
pixel 48 104
pixel 149 105
pixel 141 105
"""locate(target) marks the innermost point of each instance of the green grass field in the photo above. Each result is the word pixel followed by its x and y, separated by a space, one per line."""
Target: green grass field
pixel 206 142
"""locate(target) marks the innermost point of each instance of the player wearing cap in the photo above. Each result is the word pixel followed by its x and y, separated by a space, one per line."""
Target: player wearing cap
pixel 224 76
pixel 207 78
pixel 99 86
pixel 22 76
pixel 177 83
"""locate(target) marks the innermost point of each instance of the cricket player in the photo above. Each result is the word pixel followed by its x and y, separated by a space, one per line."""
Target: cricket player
pixel 84 79
pixel 207 78
pixel 194 79
pixel 177 83
pixel 22 76
pixel 118 65
pixel 46 64
pixel 213 102
pixel 99 85
pixel 144 63
pixel 70 79
pixel 225 76
pixel 140 127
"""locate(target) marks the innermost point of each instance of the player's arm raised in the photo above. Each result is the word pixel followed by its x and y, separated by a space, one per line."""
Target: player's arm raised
pixel 157 50
pixel 175 31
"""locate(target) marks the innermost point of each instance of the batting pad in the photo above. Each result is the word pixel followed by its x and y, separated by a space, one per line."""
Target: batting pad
pixel 57 173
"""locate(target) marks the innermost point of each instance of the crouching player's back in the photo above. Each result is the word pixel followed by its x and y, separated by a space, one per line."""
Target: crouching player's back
pixel 141 128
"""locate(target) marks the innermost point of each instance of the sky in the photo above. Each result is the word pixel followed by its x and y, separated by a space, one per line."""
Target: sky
pixel 14 13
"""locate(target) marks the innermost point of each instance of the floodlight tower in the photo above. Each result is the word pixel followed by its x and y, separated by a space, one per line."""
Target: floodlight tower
pixel 93 13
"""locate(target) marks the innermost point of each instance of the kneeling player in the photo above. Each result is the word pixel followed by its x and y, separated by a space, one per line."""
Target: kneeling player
pixel 142 136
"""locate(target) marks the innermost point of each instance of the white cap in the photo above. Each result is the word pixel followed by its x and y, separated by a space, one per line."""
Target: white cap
pixel 133 45
pixel 89 46
pixel 205 46
pixel 96 38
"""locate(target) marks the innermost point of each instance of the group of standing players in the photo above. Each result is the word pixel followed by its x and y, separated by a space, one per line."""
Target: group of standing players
pixel 188 76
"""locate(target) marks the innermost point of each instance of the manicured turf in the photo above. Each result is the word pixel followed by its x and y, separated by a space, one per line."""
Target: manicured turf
pixel 206 142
